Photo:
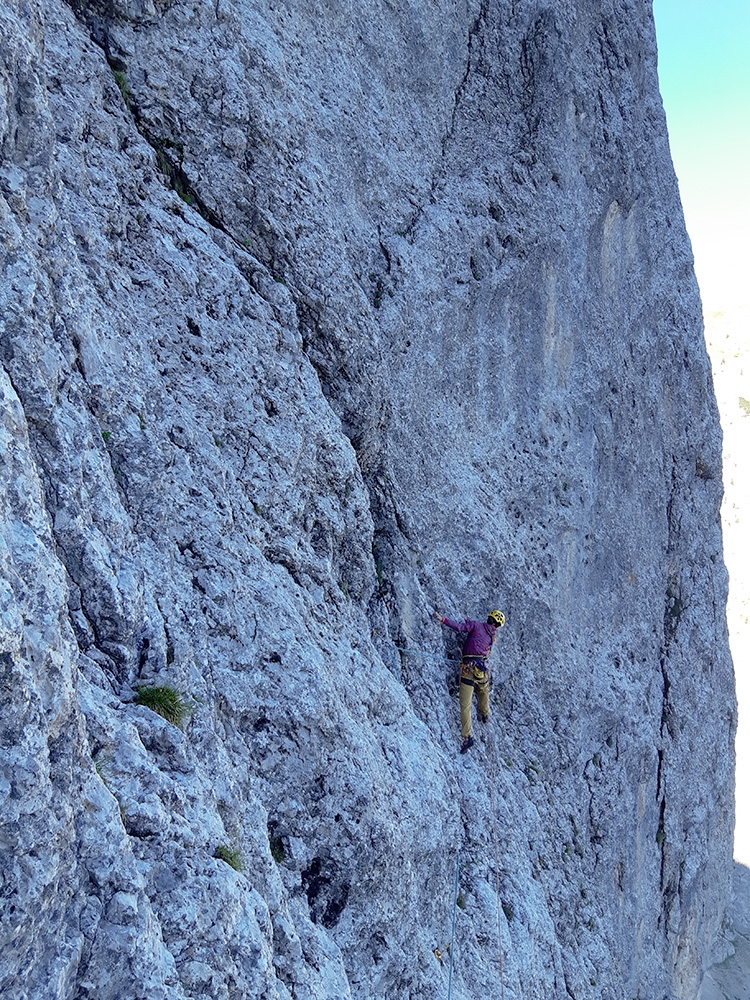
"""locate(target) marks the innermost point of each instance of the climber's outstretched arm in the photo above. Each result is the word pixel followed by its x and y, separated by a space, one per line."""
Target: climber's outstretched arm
pixel 464 626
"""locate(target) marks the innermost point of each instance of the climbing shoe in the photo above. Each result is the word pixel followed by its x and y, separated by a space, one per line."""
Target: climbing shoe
pixel 467 744
pixel 483 718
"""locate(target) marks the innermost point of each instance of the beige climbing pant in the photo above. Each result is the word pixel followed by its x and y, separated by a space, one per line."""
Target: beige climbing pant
pixel 472 678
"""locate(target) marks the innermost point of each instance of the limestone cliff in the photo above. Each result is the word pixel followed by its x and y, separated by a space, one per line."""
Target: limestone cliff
pixel 315 318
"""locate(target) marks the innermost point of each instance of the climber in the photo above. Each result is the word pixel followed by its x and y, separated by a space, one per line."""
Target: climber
pixel 475 670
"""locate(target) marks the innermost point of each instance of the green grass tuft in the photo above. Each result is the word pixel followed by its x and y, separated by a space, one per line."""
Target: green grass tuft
pixel 166 702
pixel 122 82
pixel 231 856
pixel 277 849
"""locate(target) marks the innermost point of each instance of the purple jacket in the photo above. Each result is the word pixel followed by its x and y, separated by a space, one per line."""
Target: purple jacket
pixel 481 636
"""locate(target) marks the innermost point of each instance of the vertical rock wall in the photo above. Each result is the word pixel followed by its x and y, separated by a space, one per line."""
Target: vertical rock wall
pixel 314 319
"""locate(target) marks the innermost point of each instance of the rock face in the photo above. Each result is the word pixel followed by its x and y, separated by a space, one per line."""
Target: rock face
pixel 314 319
pixel 730 980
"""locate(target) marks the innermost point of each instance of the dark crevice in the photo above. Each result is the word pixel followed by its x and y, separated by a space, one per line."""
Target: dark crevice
pixel 169 153
pixel 661 838
pixel 666 705
pixel 169 158
pixel 659 774
pixel 325 898
pixel 474 37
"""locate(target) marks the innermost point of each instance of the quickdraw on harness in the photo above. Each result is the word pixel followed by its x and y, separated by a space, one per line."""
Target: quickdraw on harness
pixel 476 670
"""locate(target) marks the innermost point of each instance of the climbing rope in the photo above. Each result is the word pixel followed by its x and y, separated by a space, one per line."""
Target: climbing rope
pixel 415 652
pixel 491 748
pixel 453 929
pixel 429 656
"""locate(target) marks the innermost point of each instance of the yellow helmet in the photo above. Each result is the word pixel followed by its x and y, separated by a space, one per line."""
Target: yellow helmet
pixel 496 618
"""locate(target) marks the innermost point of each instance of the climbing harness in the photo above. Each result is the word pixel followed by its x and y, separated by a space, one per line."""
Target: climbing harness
pixel 472 673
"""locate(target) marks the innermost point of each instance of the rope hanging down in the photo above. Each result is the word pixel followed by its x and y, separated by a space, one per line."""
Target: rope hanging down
pixel 453 928
pixel 497 886
pixel 491 748
pixel 415 652
pixel 429 656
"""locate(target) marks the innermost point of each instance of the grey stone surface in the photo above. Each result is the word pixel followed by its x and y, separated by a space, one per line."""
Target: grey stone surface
pixel 314 319
pixel 730 979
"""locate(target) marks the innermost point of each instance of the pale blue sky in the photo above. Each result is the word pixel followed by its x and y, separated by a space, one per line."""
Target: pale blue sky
pixel 704 74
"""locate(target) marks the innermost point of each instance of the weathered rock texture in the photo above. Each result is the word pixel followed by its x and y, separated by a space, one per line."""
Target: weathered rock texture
pixel 316 317
pixel 730 980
